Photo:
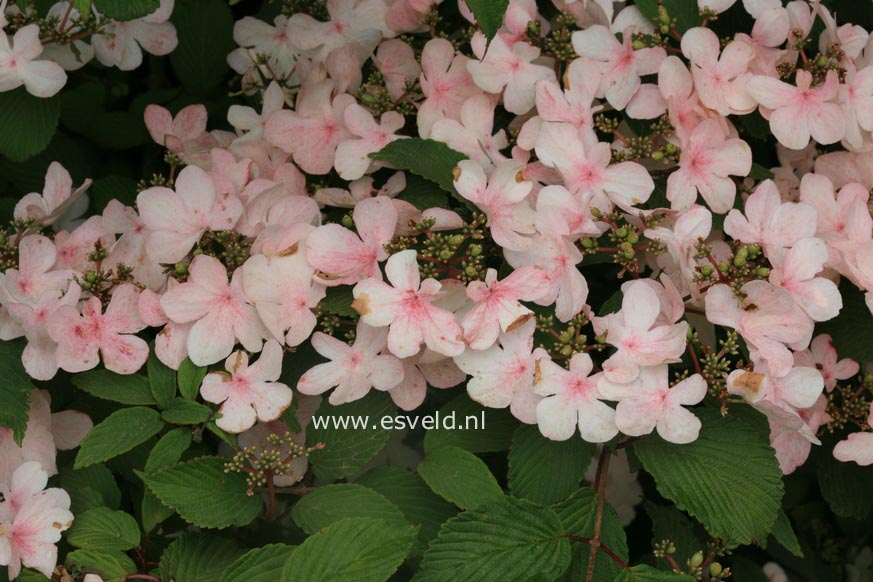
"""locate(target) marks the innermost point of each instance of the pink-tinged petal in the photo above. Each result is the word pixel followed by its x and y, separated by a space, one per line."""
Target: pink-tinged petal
pixel 377 303
pixel 636 416
pixel 339 253
pixel 43 78
pixel 556 420
pixel 628 184
pixel 270 400
pixel 69 427
pixel 769 92
pixel 679 426
pixel 376 221
pixel 211 339
pixel 410 393
pixel 171 344
pixel 858 448
pixel 268 368
pixel 827 124
pixel 402 271
pixel 215 387
pixel 701 46
pixel 386 372
pixel 595 42
pixel 190 122
pixel 159 122
pixel 321 378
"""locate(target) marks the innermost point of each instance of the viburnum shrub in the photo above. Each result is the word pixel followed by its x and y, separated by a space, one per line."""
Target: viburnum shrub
pixel 296 290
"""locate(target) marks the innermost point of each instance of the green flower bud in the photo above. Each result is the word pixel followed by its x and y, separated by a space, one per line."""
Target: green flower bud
pixel 446 254
pixel 86 285
pixel 663 15
pixel 567 350
pixel 633 237
pixel 589 243
pixel 706 270
pixel 763 272
pixel 90 276
pixel 638 44
pixel 621 232
pixel 181 268
pixel 742 252
pixel 724 267
pixel 657 155
pixel 347 221
pixel 671 148
pixel 753 249
pixel 665 29
pixel 715 569
pixel 471 271
pixel 596 213
pixel 821 62
pixel 475 250
pixel 697 559
pixel 456 240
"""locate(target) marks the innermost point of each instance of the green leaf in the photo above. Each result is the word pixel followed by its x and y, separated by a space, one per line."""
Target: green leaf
pixel 784 534
pixel 162 381
pixel 112 187
pixel 326 505
pixel 543 470
pixel 347 450
pixel 126 9
pixel 432 160
pixel 90 487
pixel 728 478
pixel 850 330
pixel 508 539
pixel 492 433
pixel 130 389
pixel 759 172
pixel 181 411
pixel 410 493
pixel 203 494
pixel 104 529
pixel 612 304
pixel 120 432
pixel 422 194
pixel 168 449
pixel 645 573
pixel 205 31
pixel 15 387
pixel 27 123
pixel 262 564
pixel 339 301
pixel 198 557
pixel 118 130
pixel 459 476
pixel 578 514
pixel 111 566
pixel 153 511
pixel 845 486
pixel 83 6
pixel 189 378
pixel 360 549
pixel 685 11
pixel 489 14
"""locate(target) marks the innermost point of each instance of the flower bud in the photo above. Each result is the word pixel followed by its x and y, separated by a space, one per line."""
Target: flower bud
pixel 633 237
pixel 621 232
pixel 724 267
pixel 181 268
pixel 663 15
pixel 763 272
pixel 697 559
pixel 347 221
pixel 471 271
pixel 821 62
pixel 456 240
pixel 589 243
pixel 754 249
pixel 706 270
pixel 671 148
pixel 446 254
pixel 715 569
pixel 596 213
pixel 638 44
pixel 90 276
pixel 475 250
pixel 657 155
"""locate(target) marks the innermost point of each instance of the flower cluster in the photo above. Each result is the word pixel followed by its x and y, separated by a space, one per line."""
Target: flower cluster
pixel 607 255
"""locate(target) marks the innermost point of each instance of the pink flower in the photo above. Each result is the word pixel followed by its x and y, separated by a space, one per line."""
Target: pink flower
pixel 343 257
pixel 120 42
pixel 720 80
pixel 426 369
pixel 572 402
pixel 844 222
pixel 496 304
pixel 856 99
pixel 681 240
pixel 767 318
pixel 588 168
pixel 558 257
pixel 633 331
pixel 770 222
pixel 504 374
pixel 445 82
pixel 352 22
pixel 221 310
pixel 792 436
pixel 621 66
pixel 858 447
pixel 503 199
pixel 248 393
pixel 178 219
pixel 32 519
pixel 353 370
pixel 396 61
pixel 823 356
pixel 575 104
pixel 171 343
pixel 314 130
pixel 284 293
pixel 796 272
pixel 677 87
pixel 560 213
pixel 472 135
pixel 130 248
pixel 649 403
pixel 705 166
pixel 407 307
pixel 18 65
pixel 353 155
pixel 509 70
pixel 173 132
pixel 34 279
pixel 275 41
pixel 58 203
pixel 798 389
pixel 81 337
pixel 801 111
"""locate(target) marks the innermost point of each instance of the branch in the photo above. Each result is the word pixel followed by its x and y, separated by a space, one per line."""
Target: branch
pixel 600 488
pixel 602 548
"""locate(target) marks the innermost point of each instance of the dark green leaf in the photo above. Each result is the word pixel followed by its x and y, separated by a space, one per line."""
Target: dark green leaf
pixel 27 123
pixel 329 504
pixel 360 549
pixel 339 301
pixel 459 476
pixel 507 539
pixel 14 388
pixel 111 566
pixel 198 557
pixel 102 528
pixel 850 330
pixel 120 432
pixel 685 12
pixel 90 487
pixel 203 494
pixel 728 478
pixel 190 377
pixel 126 9
pixel 162 380
pixel 546 471
pixel 668 523
pixel 489 14
pixel 759 172
pixel 645 573
pixel 347 450
pixel 168 449
pixel 259 565
pixel 205 30
pixel 493 430
pixel 845 486
pixel 131 389
pixel 181 411
pixel 784 534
